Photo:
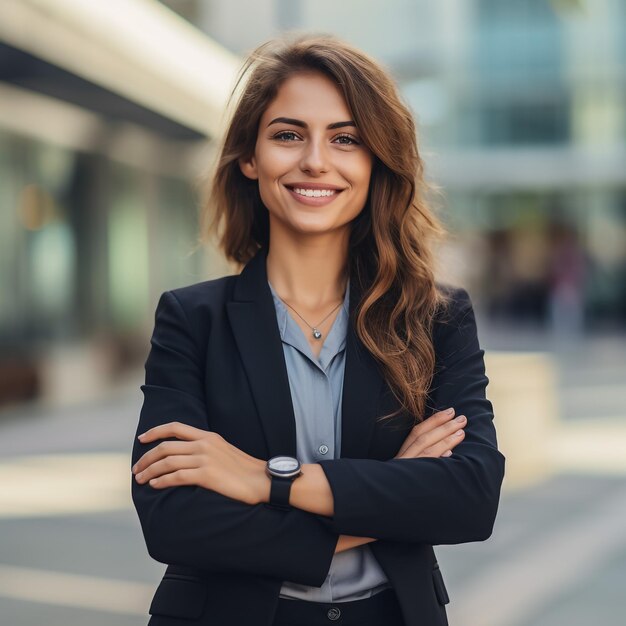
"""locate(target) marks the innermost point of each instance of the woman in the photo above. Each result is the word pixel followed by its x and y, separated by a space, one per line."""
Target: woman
pixel 334 349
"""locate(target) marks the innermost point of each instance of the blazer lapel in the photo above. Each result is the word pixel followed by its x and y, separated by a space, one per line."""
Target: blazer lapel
pixel 362 388
pixel 252 315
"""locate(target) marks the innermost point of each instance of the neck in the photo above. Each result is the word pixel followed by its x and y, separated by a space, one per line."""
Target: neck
pixel 310 271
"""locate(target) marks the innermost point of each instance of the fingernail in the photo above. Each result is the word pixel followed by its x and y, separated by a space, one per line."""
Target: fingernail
pixel 460 418
pixel 458 433
pixel 448 453
pixel 450 411
pixel 140 436
pixel 134 468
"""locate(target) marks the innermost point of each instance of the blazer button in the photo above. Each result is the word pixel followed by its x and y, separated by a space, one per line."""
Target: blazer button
pixel 333 614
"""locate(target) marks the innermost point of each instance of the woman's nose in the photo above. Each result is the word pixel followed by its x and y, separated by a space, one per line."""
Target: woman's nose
pixel 315 156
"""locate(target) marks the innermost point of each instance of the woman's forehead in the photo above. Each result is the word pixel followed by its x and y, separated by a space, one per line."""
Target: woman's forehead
pixel 312 96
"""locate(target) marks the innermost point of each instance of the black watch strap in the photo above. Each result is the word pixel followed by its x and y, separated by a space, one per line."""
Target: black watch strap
pixel 279 492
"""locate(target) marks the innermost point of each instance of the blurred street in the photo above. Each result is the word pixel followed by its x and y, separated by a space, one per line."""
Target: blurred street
pixel 557 555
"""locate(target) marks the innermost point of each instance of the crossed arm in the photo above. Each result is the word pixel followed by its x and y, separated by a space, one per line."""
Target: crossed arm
pixel 225 525
pixel 206 459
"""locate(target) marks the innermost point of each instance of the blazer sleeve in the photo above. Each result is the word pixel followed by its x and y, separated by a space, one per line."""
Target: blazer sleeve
pixel 444 500
pixel 196 527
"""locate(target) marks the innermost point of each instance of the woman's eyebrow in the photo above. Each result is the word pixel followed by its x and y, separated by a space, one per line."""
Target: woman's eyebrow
pixel 289 120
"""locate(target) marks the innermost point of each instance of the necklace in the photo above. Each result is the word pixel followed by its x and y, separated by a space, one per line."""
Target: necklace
pixel 316 332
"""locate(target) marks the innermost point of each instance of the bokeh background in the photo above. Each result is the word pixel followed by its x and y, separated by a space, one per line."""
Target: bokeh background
pixel 109 115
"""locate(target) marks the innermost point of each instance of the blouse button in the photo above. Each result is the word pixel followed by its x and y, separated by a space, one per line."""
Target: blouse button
pixel 323 449
pixel 333 614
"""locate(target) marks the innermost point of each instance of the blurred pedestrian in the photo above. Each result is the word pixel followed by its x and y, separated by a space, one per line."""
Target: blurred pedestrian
pixel 567 278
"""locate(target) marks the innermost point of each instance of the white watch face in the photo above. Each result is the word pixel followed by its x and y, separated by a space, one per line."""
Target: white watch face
pixel 284 464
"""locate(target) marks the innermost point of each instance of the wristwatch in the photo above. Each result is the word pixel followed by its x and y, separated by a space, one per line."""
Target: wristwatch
pixel 283 470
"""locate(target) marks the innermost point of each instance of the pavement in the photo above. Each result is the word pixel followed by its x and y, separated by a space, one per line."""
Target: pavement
pixel 557 556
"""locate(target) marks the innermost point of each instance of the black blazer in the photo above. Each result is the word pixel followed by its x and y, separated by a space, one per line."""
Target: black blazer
pixel 216 362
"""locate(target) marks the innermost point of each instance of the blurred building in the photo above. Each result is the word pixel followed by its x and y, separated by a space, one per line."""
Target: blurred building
pixel 105 112
pixel 521 106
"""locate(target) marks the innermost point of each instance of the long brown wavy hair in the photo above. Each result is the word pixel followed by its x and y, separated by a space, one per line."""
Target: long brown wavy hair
pixel 391 240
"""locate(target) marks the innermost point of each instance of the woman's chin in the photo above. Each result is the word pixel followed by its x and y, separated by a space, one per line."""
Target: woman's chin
pixel 310 225
pixel 314 229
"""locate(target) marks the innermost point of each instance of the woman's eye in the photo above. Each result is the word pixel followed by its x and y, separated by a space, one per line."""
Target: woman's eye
pixel 351 139
pixel 283 134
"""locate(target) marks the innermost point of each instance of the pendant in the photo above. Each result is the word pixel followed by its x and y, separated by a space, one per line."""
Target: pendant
pixel 316 333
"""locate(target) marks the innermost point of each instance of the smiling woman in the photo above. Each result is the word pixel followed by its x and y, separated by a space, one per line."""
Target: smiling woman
pixel 269 472
pixel 309 162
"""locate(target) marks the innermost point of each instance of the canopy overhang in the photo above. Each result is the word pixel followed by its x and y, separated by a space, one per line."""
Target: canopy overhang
pixel 134 60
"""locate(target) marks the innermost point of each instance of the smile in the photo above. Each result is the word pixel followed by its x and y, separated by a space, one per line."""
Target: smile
pixel 314 197
pixel 314 193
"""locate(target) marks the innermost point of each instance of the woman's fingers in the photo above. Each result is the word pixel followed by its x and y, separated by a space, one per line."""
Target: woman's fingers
pixel 176 479
pixel 168 465
pixel 430 423
pixel 162 450
pixel 439 439
pixel 188 434
pixel 445 446
pixel 173 429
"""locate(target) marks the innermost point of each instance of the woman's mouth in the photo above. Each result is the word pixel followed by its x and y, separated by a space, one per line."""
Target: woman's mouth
pixel 313 197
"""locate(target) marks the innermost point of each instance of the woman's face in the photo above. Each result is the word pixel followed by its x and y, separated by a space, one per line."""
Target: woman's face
pixel 307 144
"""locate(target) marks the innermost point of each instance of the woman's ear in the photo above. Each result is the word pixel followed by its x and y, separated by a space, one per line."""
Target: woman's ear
pixel 248 167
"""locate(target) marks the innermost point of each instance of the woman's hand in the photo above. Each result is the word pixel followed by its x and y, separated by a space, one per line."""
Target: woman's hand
pixel 202 458
pixel 435 437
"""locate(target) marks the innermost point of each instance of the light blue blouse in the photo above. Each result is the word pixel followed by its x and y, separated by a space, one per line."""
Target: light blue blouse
pixel 316 390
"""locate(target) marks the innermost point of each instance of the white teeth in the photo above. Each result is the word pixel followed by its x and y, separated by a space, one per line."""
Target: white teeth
pixel 314 193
